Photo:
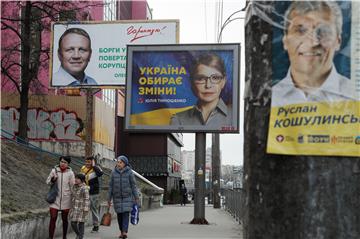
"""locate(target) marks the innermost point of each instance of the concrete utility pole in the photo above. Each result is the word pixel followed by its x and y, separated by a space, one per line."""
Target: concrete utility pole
pixel 200 162
pixel 89 122
pixel 216 170
pixel 290 196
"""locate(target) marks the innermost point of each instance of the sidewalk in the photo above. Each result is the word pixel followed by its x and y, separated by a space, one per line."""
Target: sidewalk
pixel 172 222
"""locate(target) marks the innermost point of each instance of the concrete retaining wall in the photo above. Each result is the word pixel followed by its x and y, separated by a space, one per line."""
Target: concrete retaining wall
pixel 36 227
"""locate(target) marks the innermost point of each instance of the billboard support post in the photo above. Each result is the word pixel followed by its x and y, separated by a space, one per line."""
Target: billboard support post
pixel 215 168
pixel 199 203
pixel 89 122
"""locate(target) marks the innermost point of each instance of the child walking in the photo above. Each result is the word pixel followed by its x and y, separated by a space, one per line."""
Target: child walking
pixel 80 205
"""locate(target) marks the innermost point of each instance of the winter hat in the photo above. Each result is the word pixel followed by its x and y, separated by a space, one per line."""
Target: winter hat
pixel 66 158
pixel 124 159
pixel 80 176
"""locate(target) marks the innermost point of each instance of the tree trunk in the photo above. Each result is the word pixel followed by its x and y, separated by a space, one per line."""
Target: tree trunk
pixel 290 196
pixel 25 70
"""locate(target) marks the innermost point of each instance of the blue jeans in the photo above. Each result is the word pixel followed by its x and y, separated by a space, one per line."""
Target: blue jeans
pixel 123 221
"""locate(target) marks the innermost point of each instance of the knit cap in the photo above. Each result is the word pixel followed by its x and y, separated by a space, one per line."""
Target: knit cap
pixel 124 159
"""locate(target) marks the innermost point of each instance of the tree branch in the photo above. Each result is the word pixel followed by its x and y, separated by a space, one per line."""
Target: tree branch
pixel 16 84
pixel 16 31
pixel 11 19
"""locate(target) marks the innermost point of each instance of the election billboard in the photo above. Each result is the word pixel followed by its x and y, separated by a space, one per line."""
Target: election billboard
pixel 315 106
pixel 93 54
pixel 183 88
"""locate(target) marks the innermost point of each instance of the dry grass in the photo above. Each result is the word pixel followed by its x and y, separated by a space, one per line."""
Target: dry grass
pixel 23 174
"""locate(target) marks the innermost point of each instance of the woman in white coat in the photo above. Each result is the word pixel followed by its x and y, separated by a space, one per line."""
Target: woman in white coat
pixel 64 177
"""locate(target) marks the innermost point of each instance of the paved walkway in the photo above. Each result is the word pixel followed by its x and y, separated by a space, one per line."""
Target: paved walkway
pixel 172 222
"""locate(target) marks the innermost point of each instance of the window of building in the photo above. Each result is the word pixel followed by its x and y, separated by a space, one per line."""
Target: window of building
pixel 108 97
pixel 109 10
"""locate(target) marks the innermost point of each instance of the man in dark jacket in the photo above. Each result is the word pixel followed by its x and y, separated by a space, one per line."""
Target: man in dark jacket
pixel 92 173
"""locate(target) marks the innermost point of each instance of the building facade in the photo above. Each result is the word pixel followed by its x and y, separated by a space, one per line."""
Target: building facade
pixel 57 118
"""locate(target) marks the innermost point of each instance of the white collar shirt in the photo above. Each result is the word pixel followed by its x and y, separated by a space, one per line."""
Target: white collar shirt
pixel 335 88
pixel 63 78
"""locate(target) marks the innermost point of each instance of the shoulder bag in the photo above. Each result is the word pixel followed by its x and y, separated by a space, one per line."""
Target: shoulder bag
pixel 53 192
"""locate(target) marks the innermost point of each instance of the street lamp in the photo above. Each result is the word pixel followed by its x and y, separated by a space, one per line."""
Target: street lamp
pixel 215 148
pixel 227 21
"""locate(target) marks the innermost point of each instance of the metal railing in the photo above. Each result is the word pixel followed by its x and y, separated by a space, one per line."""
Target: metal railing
pixel 233 201
pixel 5 135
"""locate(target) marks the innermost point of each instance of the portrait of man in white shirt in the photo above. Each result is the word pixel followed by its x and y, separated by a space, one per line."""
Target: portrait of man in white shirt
pixel 312 35
pixel 74 54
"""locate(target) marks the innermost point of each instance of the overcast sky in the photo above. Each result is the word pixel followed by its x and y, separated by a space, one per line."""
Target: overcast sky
pixel 198 23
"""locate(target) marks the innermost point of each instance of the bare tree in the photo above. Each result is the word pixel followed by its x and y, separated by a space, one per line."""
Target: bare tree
pixel 23 24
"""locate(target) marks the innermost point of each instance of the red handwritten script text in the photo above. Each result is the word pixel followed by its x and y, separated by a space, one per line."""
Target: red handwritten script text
pixel 141 32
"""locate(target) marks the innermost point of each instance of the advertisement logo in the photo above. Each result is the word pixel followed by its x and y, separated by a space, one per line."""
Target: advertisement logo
pixel 357 140
pixel 289 139
pixel 280 138
pixel 301 138
pixel 318 138
pixel 342 139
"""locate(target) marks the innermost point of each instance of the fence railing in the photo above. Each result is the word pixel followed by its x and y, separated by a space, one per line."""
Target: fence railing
pixel 233 201
pixel 75 160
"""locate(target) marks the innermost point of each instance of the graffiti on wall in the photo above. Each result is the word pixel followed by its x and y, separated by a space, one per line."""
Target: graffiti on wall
pixel 43 125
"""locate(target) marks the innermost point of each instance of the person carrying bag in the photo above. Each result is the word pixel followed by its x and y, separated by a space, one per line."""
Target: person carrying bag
pixel 123 192
pixel 63 176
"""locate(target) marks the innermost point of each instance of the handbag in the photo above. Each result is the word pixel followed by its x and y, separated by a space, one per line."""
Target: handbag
pixel 106 218
pixel 52 193
pixel 134 214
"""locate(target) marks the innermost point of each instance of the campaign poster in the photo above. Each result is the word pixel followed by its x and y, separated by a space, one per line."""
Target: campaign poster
pixel 315 106
pixel 93 54
pixel 183 88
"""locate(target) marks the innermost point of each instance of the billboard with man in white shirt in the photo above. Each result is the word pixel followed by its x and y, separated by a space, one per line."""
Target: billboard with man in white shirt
pixel 316 91
pixel 93 54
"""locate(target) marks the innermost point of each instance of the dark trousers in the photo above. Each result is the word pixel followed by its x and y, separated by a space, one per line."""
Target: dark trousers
pixel 123 221
pixel 184 199
pixel 53 217
pixel 78 228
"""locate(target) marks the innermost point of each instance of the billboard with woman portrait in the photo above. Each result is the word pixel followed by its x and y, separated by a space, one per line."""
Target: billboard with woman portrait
pixel 183 88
